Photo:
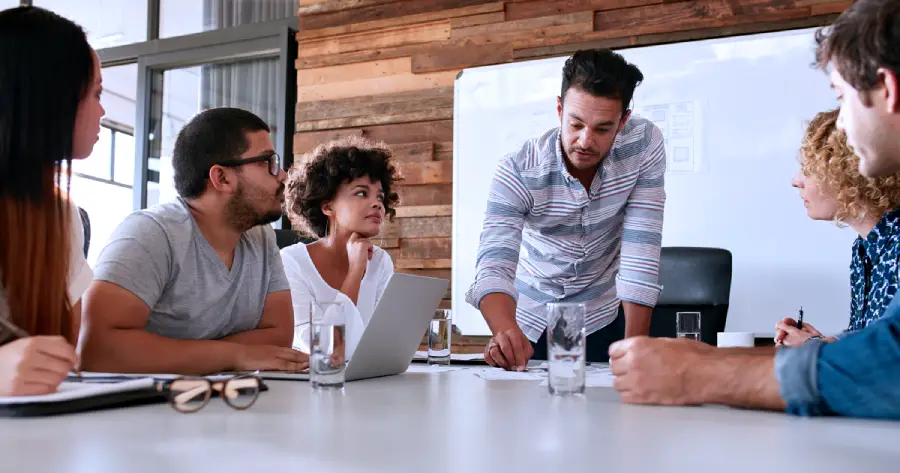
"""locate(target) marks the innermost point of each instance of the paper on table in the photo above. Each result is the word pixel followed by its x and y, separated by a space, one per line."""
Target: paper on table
pixel 96 376
pixel 595 378
pixel 497 374
pixel 431 369
pixel 422 355
pixel 69 391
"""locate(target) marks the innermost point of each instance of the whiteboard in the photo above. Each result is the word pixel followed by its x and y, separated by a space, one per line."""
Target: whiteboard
pixel 733 112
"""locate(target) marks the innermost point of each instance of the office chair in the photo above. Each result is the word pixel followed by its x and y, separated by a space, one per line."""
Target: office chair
pixel 286 237
pixel 694 280
pixel 86 224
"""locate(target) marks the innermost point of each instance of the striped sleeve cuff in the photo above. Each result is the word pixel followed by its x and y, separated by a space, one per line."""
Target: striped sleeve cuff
pixel 489 285
pixel 796 371
pixel 637 291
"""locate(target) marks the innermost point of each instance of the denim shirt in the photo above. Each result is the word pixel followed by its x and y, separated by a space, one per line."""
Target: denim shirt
pixel 857 376
pixel 873 271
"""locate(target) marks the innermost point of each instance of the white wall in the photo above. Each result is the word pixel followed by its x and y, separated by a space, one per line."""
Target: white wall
pixel 733 112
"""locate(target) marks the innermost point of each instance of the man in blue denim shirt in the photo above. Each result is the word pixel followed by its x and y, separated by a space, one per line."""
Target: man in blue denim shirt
pixel 858 375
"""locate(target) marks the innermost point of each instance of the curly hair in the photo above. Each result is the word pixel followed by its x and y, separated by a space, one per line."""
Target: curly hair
pixel 827 159
pixel 316 177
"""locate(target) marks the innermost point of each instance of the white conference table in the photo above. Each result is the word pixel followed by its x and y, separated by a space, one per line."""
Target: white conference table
pixel 443 422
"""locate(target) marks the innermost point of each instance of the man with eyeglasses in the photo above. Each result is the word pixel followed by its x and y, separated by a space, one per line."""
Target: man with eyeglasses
pixel 197 286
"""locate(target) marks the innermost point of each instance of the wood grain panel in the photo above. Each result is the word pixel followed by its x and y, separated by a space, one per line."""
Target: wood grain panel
pixel 357 71
pixel 475 20
pixel 424 248
pixel 381 85
pixel 539 8
pixel 382 11
pixel 581 20
pixel 443 151
pixel 389 38
pixel 474 11
pixel 424 227
pixel 380 104
pixel 429 263
pixel 441 194
pixel 433 172
pixel 391 134
pixel 459 57
pixel 350 122
pixel 425 211
pixel 413 152
pixel 314 7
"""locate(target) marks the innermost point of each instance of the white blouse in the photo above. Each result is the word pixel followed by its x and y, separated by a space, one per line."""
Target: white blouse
pixel 307 286
pixel 80 273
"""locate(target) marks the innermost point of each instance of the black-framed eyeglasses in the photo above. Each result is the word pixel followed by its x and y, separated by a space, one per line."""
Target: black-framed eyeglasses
pixel 273 159
pixel 189 394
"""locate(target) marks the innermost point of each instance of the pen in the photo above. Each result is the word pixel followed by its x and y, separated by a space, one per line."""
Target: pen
pixel 800 320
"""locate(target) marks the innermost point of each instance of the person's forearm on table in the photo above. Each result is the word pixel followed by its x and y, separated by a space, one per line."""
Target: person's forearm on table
pixel 739 379
pixel 637 319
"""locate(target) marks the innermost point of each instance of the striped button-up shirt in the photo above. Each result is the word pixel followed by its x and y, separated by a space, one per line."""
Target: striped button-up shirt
pixel 547 239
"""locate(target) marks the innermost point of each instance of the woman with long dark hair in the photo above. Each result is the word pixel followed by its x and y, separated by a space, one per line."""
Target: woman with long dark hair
pixel 49 115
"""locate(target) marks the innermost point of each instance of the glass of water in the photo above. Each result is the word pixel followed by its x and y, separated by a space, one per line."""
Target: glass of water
pixel 439 338
pixel 687 325
pixel 565 348
pixel 327 358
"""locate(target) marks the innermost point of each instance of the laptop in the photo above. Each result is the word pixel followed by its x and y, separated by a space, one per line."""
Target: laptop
pixel 394 332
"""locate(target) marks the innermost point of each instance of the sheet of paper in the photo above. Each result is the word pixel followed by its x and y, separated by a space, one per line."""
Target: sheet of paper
pixel 73 390
pixel 497 374
pixel 431 369
pixel 423 355
pixel 595 376
pixel 118 377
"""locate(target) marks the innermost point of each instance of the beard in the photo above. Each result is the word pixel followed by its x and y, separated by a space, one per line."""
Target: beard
pixel 243 214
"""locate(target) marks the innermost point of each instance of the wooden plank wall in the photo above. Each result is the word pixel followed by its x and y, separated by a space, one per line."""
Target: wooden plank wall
pixel 385 69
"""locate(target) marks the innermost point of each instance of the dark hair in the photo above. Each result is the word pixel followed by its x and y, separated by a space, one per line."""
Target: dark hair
pixel 864 38
pixel 325 168
pixel 602 73
pixel 213 136
pixel 46 70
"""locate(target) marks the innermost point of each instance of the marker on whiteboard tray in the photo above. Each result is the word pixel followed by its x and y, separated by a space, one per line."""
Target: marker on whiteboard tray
pixel 800 319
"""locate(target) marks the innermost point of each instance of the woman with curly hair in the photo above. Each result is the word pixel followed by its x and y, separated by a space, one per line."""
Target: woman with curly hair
pixel 832 189
pixel 340 193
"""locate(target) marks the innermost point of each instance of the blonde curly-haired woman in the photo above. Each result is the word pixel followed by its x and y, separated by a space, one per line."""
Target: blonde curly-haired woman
pixel 832 189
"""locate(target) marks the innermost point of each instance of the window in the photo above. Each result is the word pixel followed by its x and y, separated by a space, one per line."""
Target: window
pixel 107 22
pixel 181 17
pixel 248 84
pixel 102 184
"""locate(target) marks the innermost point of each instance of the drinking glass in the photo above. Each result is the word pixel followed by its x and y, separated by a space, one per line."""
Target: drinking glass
pixel 439 338
pixel 327 360
pixel 565 348
pixel 687 325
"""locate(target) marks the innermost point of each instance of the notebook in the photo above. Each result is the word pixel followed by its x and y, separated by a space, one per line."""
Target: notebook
pixel 83 396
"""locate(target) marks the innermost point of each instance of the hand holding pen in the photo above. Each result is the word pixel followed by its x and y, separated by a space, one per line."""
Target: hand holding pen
pixel 31 365
pixel 791 333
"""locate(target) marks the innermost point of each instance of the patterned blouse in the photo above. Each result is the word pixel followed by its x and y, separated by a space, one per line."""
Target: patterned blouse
pixel 873 271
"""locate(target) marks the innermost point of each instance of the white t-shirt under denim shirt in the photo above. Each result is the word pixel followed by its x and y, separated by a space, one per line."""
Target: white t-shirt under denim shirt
pixel 307 286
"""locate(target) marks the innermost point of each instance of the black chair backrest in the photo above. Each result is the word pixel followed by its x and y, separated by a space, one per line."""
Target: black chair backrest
pixel 694 280
pixel 86 223
pixel 286 237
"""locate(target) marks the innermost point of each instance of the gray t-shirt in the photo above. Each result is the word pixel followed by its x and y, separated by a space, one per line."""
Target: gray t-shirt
pixel 160 255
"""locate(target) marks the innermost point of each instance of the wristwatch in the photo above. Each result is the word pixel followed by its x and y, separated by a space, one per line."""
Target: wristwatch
pixel 815 337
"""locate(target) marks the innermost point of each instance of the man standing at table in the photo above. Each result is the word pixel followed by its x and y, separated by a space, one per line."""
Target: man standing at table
pixel 858 375
pixel 584 204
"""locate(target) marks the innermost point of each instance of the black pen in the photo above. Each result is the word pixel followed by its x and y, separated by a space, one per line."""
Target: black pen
pixel 800 320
